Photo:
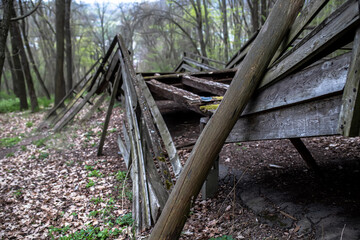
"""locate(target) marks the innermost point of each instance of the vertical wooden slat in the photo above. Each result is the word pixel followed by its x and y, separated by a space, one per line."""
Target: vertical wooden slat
pixel 349 123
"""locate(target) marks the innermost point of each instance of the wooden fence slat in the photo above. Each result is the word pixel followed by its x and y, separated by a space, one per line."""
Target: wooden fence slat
pixel 160 124
pixel 349 122
pixel 341 22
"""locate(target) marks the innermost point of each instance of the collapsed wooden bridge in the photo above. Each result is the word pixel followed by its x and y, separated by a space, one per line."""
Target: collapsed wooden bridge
pixel 310 88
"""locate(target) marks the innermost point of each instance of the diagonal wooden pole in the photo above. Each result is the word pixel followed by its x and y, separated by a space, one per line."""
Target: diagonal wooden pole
pixel 210 142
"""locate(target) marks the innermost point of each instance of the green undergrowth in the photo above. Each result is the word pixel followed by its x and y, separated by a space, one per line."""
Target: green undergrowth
pixel 10 103
pixel 9 141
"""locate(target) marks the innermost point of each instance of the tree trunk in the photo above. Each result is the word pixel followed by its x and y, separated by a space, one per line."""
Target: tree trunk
pixel 12 70
pixel 18 81
pixel 4 29
pixel 211 140
pixel 69 61
pixel 225 28
pixel 6 82
pixel 15 31
pixel 31 57
pixel 59 72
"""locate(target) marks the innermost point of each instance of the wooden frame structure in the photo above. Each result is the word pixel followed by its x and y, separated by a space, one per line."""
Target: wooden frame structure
pixel 302 94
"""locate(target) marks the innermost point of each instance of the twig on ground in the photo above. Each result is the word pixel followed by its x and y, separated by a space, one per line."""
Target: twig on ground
pixel 342 232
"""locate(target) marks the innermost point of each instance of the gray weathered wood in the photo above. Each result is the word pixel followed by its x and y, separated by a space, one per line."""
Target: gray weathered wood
pixel 163 130
pixel 109 111
pixel 93 108
pixel 317 118
pixel 187 67
pixel 204 85
pixel 212 138
pixel 349 122
pixel 341 22
pixel 198 64
pixel 173 93
pixel 124 152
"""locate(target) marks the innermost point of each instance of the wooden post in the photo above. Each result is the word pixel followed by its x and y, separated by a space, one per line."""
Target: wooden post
pixel 305 154
pixel 349 123
pixel 211 140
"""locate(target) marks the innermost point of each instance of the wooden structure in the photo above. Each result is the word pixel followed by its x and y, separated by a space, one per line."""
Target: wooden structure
pixel 310 89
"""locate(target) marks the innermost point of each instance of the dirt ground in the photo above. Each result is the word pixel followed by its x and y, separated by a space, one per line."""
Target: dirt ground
pixel 46 188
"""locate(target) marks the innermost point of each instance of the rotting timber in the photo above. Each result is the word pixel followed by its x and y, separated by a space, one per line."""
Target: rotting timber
pixel 307 90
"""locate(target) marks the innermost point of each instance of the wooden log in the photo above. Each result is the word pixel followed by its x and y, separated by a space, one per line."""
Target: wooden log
pixel 109 111
pixel 317 43
pixel 163 130
pixel 204 85
pixel 211 140
pixel 309 119
pixel 305 154
pixel 173 93
pixel 349 122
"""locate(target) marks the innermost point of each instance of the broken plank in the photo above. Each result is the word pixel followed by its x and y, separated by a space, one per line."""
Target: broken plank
pixel 188 68
pixel 205 85
pixel 316 43
pixel 318 118
pixel 349 122
pixel 173 93
pixel 163 130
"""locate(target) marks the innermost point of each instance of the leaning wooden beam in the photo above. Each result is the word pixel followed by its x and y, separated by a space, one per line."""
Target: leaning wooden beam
pixel 198 64
pixel 317 43
pixel 160 124
pixel 211 140
pixel 305 154
pixel 306 15
pixel 203 58
pixel 204 85
pixel 109 111
pixel 173 93
pixel 349 122
pixel 188 68
pixel 93 108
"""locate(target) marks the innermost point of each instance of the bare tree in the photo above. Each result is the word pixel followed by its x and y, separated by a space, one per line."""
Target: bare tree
pixel 60 35
pixel 4 29
pixel 69 60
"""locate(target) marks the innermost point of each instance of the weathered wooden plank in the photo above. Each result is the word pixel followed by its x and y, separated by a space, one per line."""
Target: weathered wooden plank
pixel 321 79
pixel 319 118
pixel 93 108
pixel 124 152
pixel 335 27
pixel 198 64
pixel 188 68
pixel 349 122
pixel 173 93
pixel 127 143
pixel 109 75
pixel 204 85
pixel 109 111
pixel 163 130
pixel 192 55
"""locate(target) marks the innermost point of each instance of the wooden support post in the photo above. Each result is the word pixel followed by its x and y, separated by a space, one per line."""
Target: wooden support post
pixel 305 154
pixel 211 184
pixel 349 123
pixel 109 111
pixel 211 140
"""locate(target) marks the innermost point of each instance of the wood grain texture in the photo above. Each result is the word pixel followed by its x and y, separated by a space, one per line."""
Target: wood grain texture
pixel 317 118
pixel 205 85
pixel 349 122
pixel 211 140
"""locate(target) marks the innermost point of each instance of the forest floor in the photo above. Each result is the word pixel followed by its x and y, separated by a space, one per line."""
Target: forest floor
pixel 54 185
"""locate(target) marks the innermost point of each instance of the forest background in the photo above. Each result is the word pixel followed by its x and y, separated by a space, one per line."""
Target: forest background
pixel 51 49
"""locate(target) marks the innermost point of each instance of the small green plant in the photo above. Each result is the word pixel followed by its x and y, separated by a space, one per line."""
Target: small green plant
pixel 225 237
pixel 89 167
pixel 129 195
pixel 62 230
pixel 18 193
pixel 90 183
pixel 97 200
pixel 43 155
pixel 113 130
pixel 9 141
pixel 29 124
pixel 74 214
pixel 94 213
pixel 125 220
pixel 70 163
pixel 23 148
pixel 10 154
pixel 92 232
pixel 95 173
pixel 121 176
pixel 40 142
